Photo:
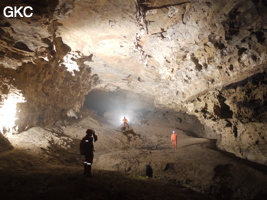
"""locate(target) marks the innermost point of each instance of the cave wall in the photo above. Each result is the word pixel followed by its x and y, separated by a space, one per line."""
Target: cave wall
pixel 34 65
pixel 5 145
pixel 49 91
pixel 201 49
pixel 203 45
pixel 186 55
pixel 237 114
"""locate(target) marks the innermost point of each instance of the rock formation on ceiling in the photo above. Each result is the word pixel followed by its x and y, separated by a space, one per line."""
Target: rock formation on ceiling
pixel 207 58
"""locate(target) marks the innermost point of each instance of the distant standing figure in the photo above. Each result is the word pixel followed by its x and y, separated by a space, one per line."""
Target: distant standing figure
pixel 174 139
pixel 125 122
pixel 87 149
pixel 148 171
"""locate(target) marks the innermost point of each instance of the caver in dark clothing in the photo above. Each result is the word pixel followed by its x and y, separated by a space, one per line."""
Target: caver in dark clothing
pixel 87 149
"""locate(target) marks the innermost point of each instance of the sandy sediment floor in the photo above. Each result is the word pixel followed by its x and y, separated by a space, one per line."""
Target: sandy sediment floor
pixel 195 170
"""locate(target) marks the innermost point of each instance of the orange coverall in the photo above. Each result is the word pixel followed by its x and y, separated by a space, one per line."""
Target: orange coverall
pixel 174 140
pixel 125 122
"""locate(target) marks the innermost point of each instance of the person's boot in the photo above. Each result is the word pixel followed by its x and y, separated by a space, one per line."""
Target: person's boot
pixel 85 169
pixel 88 174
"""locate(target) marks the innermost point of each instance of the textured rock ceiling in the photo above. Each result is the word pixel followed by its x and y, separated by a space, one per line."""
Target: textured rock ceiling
pixel 184 48
pixel 204 57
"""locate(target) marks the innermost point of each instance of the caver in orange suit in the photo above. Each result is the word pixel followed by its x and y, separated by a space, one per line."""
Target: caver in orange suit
pixel 174 139
pixel 125 122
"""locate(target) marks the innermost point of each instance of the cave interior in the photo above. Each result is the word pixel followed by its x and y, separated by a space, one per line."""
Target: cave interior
pixel 195 67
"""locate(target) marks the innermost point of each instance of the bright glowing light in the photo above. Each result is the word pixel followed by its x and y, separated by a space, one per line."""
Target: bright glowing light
pixel 121 119
pixel 8 113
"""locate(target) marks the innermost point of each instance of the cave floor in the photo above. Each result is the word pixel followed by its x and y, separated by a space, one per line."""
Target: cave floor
pixel 67 182
pixel 195 170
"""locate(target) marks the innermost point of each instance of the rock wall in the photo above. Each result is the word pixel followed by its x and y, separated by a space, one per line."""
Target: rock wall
pixel 200 49
pixel 4 144
pixel 237 114
pixel 38 67
pixel 174 51
pixel 203 45
pixel 49 91
pixel 171 50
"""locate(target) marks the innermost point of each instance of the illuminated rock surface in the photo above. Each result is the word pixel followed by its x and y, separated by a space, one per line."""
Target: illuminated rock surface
pixel 201 58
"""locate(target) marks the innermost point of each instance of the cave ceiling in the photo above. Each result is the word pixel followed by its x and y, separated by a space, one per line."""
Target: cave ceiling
pixel 171 50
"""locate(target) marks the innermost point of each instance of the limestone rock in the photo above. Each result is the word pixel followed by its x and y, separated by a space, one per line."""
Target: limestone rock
pixel 183 54
pixel 4 144
pixel 237 115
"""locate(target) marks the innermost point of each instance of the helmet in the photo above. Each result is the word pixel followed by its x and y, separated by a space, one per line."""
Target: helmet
pixel 90 132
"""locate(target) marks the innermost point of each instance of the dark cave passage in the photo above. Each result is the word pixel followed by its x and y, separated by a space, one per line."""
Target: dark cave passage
pixel 102 101
pixel 115 105
pixel 140 110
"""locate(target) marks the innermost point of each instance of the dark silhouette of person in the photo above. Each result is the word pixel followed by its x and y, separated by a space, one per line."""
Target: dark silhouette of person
pixel 148 171
pixel 87 149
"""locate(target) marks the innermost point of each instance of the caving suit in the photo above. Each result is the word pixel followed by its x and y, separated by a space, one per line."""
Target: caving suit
pixel 87 149
pixel 174 140
pixel 125 122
